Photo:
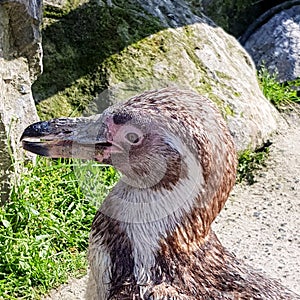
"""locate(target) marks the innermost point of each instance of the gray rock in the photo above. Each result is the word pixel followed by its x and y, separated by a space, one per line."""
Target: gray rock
pixel 20 63
pixel 233 16
pixel 199 57
pixel 194 53
pixel 55 3
pixel 172 13
pixel 276 44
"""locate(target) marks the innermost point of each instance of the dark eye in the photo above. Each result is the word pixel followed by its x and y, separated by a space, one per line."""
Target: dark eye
pixel 132 137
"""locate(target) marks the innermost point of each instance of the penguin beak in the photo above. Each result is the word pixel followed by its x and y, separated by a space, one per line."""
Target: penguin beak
pixel 68 137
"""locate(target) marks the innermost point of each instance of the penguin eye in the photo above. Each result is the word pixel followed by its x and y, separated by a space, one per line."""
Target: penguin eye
pixel 132 137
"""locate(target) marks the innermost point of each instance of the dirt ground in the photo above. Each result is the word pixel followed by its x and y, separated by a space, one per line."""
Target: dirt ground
pixel 260 223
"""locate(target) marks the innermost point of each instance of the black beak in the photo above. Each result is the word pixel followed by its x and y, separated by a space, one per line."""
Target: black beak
pixel 67 137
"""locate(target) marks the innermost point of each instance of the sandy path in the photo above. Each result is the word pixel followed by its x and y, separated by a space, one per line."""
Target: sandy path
pixel 261 222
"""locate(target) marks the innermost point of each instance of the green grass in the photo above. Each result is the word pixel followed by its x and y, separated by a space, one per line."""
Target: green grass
pixel 249 162
pixel 280 94
pixel 44 227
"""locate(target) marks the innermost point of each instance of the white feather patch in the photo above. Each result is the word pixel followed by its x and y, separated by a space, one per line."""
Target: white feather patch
pixel 147 215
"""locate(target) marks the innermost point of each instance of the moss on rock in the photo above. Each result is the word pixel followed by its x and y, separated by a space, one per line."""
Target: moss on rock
pixel 77 40
pixel 97 54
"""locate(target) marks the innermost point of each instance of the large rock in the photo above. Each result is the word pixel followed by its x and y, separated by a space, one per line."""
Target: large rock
pixel 234 16
pixel 143 54
pixel 202 58
pixel 79 35
pixel 20 62
pixel 276 43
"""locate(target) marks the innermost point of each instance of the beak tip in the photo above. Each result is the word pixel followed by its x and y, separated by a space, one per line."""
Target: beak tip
pixel 22 137
pixel 37 130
